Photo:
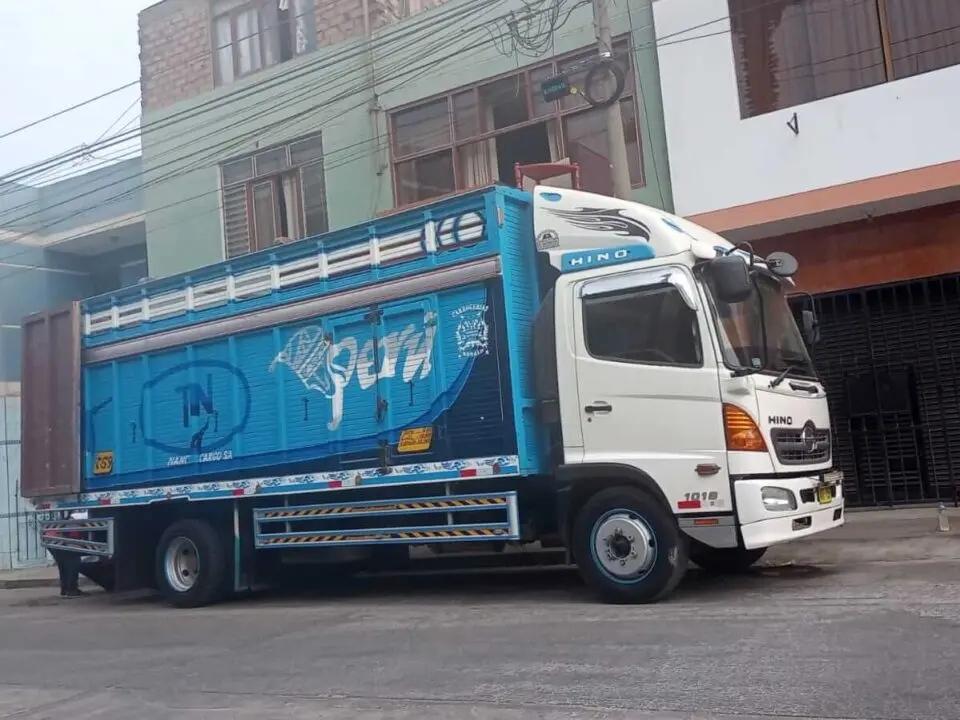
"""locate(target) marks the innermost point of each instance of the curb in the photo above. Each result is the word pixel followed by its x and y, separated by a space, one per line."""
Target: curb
pixel 28 583
pixel 23 583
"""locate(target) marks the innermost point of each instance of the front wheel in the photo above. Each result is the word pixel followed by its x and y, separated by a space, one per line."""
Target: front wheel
pixel 628 547
pixel 190 564
pixel 725 560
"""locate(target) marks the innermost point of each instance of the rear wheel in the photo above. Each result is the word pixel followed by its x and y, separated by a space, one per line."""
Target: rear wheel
pixel 190 564
pixel 628 547
pixel 725 560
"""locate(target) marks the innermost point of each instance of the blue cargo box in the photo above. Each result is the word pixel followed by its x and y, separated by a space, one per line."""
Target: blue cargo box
pixel 319 355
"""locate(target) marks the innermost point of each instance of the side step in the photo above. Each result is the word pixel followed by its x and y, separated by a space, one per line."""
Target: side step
pixel 95 537
pixel 409 520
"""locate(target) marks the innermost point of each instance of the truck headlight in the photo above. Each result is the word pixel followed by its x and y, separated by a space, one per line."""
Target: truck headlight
pixel 778 499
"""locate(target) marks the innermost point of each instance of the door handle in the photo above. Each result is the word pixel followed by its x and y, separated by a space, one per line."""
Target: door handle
pixel 598 408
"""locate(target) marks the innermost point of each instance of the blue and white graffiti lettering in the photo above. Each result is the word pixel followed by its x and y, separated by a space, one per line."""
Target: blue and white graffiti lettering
pixel 195 398
pixel 327 366
pixel 202 429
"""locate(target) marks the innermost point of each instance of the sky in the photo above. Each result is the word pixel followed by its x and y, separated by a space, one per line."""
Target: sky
pixel 59 53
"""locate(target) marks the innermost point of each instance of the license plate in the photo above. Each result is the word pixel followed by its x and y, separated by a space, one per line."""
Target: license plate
pixel 824 496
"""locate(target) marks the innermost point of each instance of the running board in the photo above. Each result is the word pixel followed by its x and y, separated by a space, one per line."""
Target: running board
pixel 96 536
pixel 336 522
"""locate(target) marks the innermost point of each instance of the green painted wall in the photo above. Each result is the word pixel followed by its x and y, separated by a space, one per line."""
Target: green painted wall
pixel 183 145
pixel 329 90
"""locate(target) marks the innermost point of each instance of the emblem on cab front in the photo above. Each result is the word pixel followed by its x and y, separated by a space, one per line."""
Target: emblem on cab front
pixel 808 438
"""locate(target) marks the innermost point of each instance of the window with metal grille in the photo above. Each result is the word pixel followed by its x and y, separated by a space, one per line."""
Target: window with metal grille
pixel 274 196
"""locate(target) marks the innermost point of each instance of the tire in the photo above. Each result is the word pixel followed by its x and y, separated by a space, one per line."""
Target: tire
pixel 619 514
pixel 187 584
pixel 725 560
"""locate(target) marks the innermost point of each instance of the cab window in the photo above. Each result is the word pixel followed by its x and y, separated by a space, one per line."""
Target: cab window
pixel 650 325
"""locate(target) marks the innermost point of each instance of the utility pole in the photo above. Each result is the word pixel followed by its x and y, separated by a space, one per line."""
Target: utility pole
pixel 617 153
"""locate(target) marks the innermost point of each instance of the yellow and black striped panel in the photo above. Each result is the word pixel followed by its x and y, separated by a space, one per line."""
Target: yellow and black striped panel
pixel 488 502
pixel 399 535
pixel 76 524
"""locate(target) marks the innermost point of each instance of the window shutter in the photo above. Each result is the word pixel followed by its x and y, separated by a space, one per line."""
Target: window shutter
pixel 235 224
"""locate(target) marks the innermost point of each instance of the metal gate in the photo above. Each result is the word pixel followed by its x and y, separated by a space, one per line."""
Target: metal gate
pixel 889 357
pixel 20 544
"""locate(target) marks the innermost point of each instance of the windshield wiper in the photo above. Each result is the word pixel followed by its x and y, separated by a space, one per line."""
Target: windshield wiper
pixel 783 375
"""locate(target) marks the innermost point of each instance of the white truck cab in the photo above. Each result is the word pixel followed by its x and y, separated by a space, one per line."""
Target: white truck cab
pixel 678 358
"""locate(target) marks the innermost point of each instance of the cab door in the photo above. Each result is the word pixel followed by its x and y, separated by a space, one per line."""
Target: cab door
pixel 648 386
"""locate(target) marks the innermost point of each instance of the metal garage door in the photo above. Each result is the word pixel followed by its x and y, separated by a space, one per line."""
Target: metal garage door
pixel 889 356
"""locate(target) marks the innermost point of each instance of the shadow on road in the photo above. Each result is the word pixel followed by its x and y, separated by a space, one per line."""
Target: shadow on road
pixel 522 584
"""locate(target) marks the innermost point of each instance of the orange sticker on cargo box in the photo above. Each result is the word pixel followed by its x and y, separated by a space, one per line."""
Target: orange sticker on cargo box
pixel 415 439
pixel 103 463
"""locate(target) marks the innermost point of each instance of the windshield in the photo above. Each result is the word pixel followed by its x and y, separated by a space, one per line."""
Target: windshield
pixel 741 333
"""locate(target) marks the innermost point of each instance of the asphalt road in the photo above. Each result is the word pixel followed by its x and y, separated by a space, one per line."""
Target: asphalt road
pixel 873 641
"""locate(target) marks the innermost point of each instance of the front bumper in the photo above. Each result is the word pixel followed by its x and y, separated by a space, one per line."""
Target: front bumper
pixel 761 526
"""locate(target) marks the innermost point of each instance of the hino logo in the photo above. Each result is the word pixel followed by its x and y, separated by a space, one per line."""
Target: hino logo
pixel 780 420
pixel 808 438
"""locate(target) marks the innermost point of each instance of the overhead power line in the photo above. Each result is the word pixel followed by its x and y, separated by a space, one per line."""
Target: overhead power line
pixel 224 148
pixel 263 111
pixel 66 110
pixel 244 90
pixel 21 174
pixel 321 82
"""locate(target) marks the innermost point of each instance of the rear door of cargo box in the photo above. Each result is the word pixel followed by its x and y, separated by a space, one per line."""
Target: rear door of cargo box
pixel 50 403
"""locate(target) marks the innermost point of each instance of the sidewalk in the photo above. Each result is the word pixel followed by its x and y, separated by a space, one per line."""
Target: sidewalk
pixel 43 576
pixel 899 534
pixel 34 577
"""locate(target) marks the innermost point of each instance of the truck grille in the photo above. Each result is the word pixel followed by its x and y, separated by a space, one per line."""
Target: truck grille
pixel 791 448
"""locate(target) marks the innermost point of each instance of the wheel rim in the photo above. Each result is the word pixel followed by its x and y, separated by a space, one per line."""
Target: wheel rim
pixel 624 546
pixel 181 564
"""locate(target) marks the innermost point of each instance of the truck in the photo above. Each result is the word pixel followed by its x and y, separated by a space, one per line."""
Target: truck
pixel 496 369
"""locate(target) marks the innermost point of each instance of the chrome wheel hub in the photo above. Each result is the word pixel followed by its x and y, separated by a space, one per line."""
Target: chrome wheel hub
pixel 624 545
pixel 181 564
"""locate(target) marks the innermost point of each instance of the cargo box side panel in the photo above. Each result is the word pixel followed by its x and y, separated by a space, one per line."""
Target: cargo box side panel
pixel 325 393
pixel 522 299
pixel 50 404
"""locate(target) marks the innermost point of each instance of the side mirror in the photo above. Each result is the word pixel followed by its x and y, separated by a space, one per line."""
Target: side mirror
pixel 731 278
pixel 810 327
pixel 782 264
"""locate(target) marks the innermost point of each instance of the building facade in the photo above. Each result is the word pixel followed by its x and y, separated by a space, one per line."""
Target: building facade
pixel 826 128
pixel 273 119
pixel 59 242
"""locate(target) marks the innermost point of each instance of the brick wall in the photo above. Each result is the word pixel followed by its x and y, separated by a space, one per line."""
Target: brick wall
pixel 175 58
pixel 176 61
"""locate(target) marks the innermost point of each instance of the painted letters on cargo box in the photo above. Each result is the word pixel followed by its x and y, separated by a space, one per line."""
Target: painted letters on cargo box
pixel 330 391
pixel 316 356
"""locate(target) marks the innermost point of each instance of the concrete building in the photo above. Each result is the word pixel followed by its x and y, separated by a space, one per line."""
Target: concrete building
pixel 827 128
pixel 267 119
pixel 58 242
